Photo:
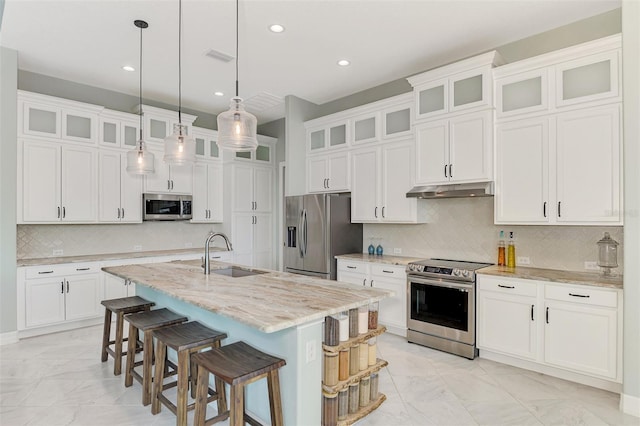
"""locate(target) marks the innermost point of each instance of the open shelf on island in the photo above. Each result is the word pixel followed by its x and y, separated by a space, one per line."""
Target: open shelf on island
pixel 363 411
pixel 380 363
pixel 358 339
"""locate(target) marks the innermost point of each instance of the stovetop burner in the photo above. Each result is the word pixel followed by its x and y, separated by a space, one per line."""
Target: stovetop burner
pixel 454 269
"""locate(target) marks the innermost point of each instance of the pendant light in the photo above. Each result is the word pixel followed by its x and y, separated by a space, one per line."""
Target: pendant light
pixel 236 127
pixel 179 148
pixel 139 160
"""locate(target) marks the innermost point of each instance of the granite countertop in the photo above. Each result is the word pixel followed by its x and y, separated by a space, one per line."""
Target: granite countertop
pixel 109 256
pixel 391 260
pixel 269 302
pixel 569 277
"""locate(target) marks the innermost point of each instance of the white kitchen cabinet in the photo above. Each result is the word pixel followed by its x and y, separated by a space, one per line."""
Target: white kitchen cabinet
pixel 52 294
pixel 508 316
pixel 560 169
pixel 263 155
pixel 381 176
pixel 455 150
pixel 120 193
pixel 392 311
pixel 207 193
pixel 118 130
pixel 206 143
pixel 366 128
pixel 168 178
pixel 79 125
pixel 328 173
pixel 331 136
pixel 588 79
pixel 116 287
pixel 522 93
pixel 41 119
pixel 252 188
pixel 459 87
pixel 253 239
pixel 397 121
pixel 58 183
pixel 158 122
pixel 568 330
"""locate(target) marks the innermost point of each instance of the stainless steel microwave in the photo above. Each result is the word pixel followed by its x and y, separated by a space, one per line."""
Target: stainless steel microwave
pixel 166 207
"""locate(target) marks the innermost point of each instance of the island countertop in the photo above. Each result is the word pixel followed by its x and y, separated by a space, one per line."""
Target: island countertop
pixel 268 302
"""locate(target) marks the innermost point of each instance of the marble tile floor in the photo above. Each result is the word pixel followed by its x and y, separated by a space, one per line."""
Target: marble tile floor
pixel 58 379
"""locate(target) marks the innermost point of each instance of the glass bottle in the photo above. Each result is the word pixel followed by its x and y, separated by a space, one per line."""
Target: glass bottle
pixel 511 252
pixel 501 250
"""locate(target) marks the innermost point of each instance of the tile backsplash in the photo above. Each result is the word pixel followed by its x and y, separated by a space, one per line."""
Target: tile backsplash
pixel 35 241
pixel 463 229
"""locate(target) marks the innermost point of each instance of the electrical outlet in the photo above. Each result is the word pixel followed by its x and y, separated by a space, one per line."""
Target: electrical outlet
pixel 188 245
pixel 311 351
pixel 397 251
pixel 523 260
pixel 592 266
pixel 58 252
pixel 137 248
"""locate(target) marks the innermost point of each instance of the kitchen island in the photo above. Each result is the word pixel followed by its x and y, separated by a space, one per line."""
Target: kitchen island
pixel 279 313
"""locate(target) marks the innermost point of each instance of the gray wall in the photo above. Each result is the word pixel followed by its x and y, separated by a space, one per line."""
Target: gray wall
pixel 631 94
pixel 297 111
pixel 8 155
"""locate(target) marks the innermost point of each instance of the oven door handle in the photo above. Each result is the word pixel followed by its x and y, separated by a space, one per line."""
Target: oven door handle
pixel 461 286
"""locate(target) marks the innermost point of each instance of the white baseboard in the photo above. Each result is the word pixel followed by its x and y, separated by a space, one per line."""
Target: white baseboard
pixel 8 338
pixel 630 405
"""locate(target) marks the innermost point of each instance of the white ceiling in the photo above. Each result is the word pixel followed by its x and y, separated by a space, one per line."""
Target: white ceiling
pixel 88 41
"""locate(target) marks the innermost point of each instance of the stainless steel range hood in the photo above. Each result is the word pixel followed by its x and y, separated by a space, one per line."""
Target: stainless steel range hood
pixel 483 189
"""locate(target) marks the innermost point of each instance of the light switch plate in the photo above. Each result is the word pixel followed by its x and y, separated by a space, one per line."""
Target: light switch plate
pixel 58 252
pixel 591 266
pixel 137 248
pixel 523 260
pixel 188 245
pixel 311 351
pixel 397 251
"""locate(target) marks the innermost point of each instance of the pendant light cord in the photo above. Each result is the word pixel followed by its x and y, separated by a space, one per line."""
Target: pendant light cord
pixel 140 87
pixel 180 63
pixel 237 42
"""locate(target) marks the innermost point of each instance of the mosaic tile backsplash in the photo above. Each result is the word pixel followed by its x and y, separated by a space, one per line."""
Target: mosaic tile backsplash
pixel 458 229
pixel 35 241
pixel 463 229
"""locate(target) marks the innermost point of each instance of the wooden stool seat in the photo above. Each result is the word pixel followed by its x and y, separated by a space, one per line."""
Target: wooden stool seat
pixel 238 364
pixel 186 339
pixel 146 322
pixel 120 307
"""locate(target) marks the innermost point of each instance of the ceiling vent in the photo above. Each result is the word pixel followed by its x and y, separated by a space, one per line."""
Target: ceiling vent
pixel 220 56
pixel 262 101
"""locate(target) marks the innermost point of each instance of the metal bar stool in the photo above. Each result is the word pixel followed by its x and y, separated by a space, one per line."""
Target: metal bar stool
pixel 237 364
pixel 120 307
pixel 146 322
pixel 186 339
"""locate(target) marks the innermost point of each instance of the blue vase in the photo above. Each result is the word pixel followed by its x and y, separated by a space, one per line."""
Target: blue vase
pixel 379 250
pixel 371 249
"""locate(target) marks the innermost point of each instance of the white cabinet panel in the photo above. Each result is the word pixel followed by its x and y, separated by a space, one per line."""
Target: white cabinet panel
pixel 168 178
pixel 83 296
pixel 115 287
pixel 109 186
pixel 397 180
pixel 328 173
pixel 41 175
pixel 44 301
pixel 207 193
pixel 243 185
pixel 364 188
pixel 338 172
pixel 262 189
pixel 79 185
pixel 432 152
pixel 470 147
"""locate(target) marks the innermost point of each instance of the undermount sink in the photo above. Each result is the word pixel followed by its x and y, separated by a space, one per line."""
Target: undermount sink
pixel 235 272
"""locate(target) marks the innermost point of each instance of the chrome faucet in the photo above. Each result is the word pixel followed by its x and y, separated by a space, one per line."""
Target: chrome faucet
pixel 207 261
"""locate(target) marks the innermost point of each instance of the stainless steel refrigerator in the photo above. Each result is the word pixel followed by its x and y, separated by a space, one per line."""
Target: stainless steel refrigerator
pixel 318 227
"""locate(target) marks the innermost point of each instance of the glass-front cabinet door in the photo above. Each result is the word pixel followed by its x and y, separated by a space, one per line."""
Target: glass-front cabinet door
pixel 469 89
pixel 396 121
pixel 338 135
pixel 41 120
pixel 365 128
pixel 79 126
pixel 317 140
pixel 522 93
pixel 432 99
pixel 587 79
pixel 109 132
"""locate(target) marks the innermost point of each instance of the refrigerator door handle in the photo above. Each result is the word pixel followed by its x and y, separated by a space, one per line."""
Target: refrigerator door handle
pixel 305 231
pixel 300 234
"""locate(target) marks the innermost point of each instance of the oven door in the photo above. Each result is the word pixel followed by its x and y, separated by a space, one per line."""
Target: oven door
pixel 442 308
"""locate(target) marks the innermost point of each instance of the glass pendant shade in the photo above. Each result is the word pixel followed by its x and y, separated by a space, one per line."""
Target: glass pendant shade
pixel 140 161
pixel 179 148
pixel 237 128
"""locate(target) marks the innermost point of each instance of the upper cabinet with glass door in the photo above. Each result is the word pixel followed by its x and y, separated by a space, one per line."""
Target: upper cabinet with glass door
pixel 50 117
pixel 158 123
pixel 332 135
pixel 206 144
pixel 459 87
pixel 118 129
pixel 263 155
pixel 584 75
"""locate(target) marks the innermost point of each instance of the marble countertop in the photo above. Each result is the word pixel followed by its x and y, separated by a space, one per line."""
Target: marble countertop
pixel 569 277
pixel 109 256
pixel 391 260
pixel 269 302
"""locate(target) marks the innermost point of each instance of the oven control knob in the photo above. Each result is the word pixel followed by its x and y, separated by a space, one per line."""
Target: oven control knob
pixel 455 272
pixel 465 273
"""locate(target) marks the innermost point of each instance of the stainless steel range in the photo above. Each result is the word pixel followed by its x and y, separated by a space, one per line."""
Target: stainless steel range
pixel 441 305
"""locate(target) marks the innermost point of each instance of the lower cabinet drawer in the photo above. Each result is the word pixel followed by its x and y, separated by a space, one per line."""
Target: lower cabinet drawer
pixel 507 285
pixel 582 294
pixel 350 266
pixel 388 271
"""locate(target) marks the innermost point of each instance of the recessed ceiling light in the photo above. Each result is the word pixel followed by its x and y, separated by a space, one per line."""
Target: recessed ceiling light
pixel 343 62
pixel 218 93
pixel 128 68
pixel 276 28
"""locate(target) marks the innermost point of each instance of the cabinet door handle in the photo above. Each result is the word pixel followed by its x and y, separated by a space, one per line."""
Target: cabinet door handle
pixel 62 287
pixel 559 210
pixel 58 212
pixel 122 212
pixel 328 183
pixel 450 170
pixel 364 282
pixel 505 286
pixel 579 295
pixel 387 272
pixel 383 212
pixel 371 283
pixel 531 312
pixel 544 209
pixel 82 269
pixel 118 212
pixel 547 316
pixel 67 286
pixel 375 212
pixel 168 184
pixel 348 266
pixel 172 184
pixel 445 171
pixel 45 272
pixel 64 212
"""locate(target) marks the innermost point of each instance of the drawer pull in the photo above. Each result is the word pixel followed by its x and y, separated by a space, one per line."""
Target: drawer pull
pixel 531 312
pixel 82 269
pixel 547 316
pixel 45 272
pixel 364 282
pixel 388 272
pixel 579 295
pixel 351 267
pixel 505 286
